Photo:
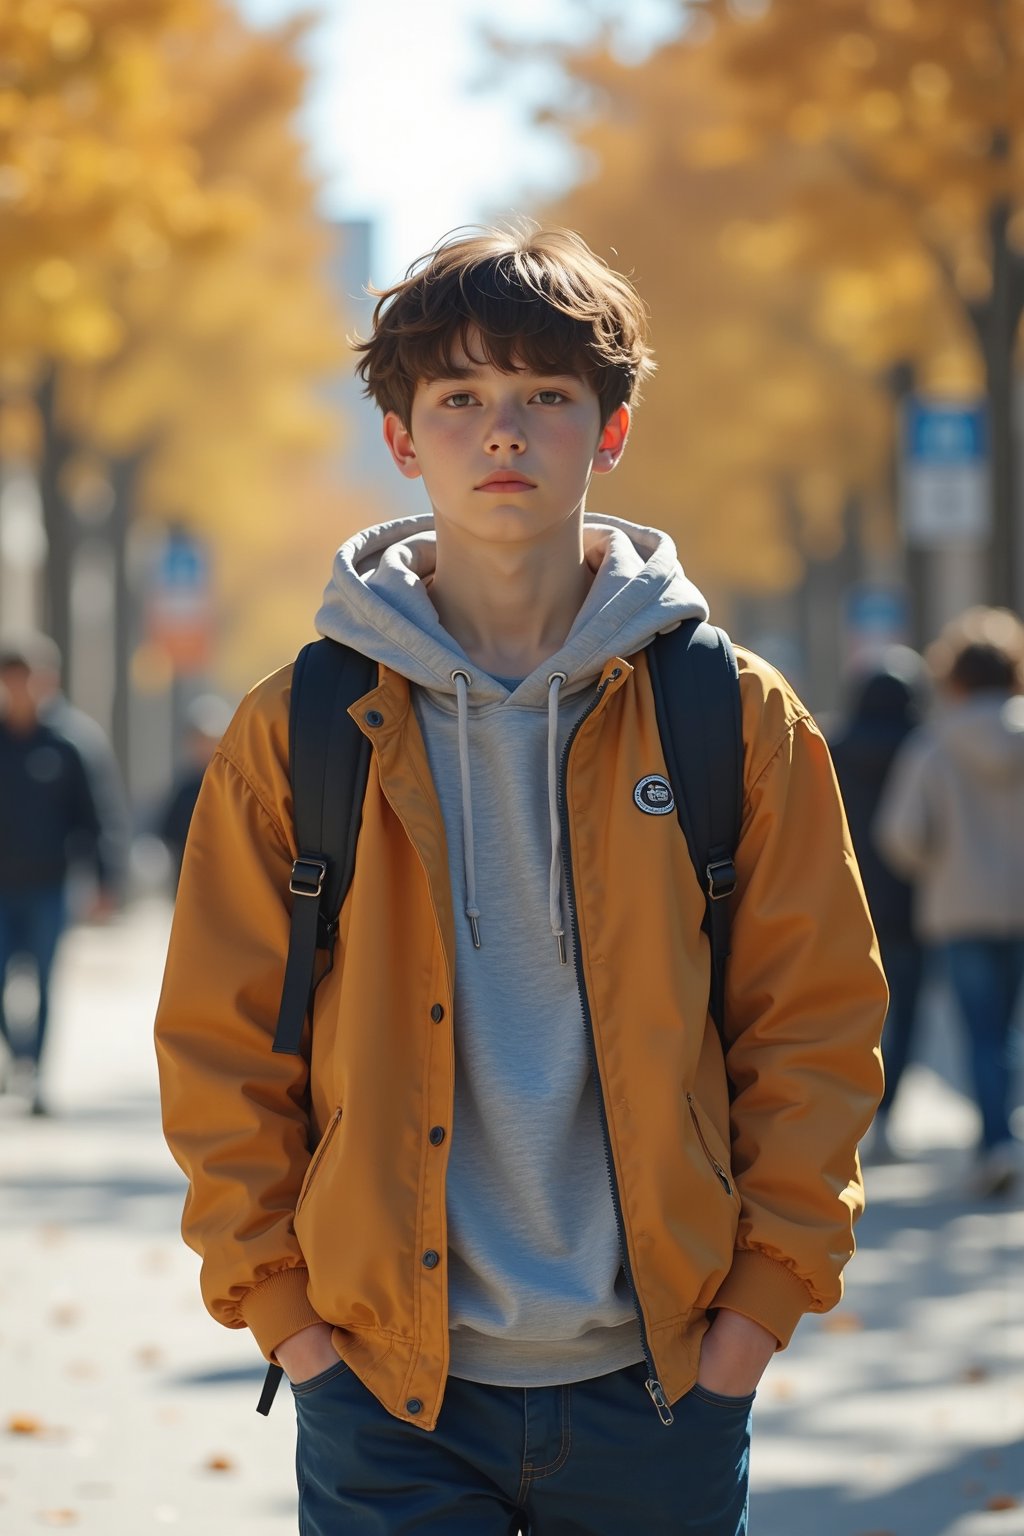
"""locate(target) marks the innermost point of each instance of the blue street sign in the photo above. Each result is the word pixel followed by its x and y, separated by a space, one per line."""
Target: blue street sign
pixel 945 481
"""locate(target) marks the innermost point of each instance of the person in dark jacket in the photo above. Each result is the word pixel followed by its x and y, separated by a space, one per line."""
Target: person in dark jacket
pixel 207 718
pixel 99 760
pixel 887 704
pixel 48 819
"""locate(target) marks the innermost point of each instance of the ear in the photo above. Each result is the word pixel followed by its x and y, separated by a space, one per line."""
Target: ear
pixel 401 446
pixel 612 442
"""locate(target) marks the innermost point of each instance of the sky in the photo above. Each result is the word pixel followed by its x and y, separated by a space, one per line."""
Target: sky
pixel 413 126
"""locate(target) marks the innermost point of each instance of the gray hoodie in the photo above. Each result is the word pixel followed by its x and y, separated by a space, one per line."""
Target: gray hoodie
pixel 536 1290
pixel 952 818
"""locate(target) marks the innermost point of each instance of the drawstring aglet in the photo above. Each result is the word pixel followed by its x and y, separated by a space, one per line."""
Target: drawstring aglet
pixel 474 928
pixel 560 940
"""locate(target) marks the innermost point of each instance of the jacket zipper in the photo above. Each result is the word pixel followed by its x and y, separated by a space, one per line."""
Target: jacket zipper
pixel 723 1177
pixel 654 1388
pixel 325 1141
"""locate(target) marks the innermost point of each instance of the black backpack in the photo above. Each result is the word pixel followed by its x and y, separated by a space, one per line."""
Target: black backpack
pixel 697 699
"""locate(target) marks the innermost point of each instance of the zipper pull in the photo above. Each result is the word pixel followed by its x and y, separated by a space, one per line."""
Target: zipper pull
pixel 656 1393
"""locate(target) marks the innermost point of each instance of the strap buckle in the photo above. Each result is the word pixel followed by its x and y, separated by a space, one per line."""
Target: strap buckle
pixel 308 876
pixel 721 879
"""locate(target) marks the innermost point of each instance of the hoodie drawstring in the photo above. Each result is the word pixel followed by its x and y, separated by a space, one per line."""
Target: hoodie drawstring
pixel 462 681
pixel 555 682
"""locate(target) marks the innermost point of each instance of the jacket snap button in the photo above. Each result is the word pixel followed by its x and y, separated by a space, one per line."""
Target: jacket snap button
pixel 437 1013
pixel 414 1405
pixel 374 717
pixel 431 1259
pixel 436 1135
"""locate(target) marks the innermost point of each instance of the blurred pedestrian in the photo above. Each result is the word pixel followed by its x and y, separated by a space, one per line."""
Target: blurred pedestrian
pixel 886 705
pixel 48 821
pixel 952 818
pixel 99 760
pixel 206 719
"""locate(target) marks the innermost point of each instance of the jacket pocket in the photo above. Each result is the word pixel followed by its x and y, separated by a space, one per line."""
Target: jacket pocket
pixel 318 1157
pixel 721 1173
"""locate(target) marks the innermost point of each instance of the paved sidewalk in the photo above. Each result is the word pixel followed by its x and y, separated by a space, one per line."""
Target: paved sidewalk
pixel 125 1410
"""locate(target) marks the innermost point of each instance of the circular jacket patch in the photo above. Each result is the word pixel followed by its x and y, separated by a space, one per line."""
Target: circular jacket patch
pixel 654 795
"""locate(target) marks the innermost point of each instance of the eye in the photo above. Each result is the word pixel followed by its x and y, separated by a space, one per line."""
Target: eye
pixel 457 401
pixel 550 396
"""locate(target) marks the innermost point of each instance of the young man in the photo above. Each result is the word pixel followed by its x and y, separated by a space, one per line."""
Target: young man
pixel 521 1234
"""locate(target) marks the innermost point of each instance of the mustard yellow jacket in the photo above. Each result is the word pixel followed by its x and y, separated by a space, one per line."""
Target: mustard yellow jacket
pixel 314 1190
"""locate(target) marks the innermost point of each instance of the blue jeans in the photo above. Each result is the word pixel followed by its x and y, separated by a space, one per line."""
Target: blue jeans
pixel 31 923
pixel 986 976
pixel 587 1459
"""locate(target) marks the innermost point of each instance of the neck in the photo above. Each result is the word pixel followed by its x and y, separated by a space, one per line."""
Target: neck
pixel 510 606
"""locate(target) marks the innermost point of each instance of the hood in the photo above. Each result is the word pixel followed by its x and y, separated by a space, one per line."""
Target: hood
pixel 985 735
pixel 377 602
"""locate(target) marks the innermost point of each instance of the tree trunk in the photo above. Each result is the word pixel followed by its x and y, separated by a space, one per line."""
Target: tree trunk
pixel 1001 318
pixel 124 474
pixel 59 522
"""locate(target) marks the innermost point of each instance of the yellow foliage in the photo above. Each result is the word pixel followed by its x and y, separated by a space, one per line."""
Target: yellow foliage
pixel 161 257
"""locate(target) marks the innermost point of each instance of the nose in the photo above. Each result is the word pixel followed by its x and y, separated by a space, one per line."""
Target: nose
pixel 506 433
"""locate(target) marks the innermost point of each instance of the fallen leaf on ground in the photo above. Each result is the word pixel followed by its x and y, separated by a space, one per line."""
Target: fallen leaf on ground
pixel 1003 1501
pixel 148 1356
pixel 57 1517
pixel 65 1316
pixel 975 1373
pixel 24 1424
pixel 220 1464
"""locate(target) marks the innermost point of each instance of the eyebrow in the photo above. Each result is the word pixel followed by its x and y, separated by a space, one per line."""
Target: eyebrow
pixel 471 373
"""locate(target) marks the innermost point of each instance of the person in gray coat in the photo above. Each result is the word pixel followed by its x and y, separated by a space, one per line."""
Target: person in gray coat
pixel 952 819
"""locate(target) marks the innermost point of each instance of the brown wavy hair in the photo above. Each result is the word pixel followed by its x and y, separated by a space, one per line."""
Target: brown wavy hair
pixel 530 298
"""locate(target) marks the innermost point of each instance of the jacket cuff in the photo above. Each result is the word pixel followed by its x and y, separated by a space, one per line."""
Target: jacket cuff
pixel 765 1291
pixel 277 1308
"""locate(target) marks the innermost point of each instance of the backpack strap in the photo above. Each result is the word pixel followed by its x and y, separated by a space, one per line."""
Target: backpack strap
pixel 329 760
pixel 697 698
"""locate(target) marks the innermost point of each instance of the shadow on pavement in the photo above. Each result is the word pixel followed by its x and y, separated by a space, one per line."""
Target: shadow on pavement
pixel 221 1376
pixel 930 1505
pixel 105 1198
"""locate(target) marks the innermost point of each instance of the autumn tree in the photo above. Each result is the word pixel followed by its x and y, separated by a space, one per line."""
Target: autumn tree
pixel 918 105
pixel 162 294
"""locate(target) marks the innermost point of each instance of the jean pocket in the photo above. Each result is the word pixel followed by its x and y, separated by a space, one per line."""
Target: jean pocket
pixel 313 1383
pixel 719 1399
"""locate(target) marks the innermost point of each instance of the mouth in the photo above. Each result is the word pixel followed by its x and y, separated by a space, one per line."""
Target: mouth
pixel 506 480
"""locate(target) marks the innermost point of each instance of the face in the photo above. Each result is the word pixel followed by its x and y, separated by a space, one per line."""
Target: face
pixel 506 457
pixel 16 697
